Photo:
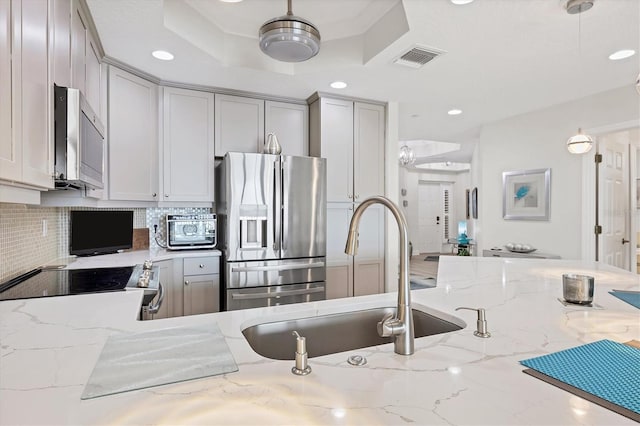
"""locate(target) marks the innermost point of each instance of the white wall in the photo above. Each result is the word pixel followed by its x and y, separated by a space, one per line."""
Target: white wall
pixel 534 141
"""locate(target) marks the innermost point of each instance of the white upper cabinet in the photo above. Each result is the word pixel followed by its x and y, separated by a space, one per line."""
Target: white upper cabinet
pixel 78 52
pixel 368 150
pixel 26 148
pixel 350 135
pixel 61 53
pixel 86 72
pixel 133 137
pixel 10 152
pixel 36 99
pixel 332 138
pixel 188 143
pixel 93 76
pixel 290 123
pixel 239 124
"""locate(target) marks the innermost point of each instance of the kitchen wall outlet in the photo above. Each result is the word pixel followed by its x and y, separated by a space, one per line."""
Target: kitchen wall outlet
pixel 45 227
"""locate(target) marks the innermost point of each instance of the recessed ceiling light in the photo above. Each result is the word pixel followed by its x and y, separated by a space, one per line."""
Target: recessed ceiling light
pixel 162 55
pixel 459 2
pixel 622 54
pixel 338 84
pixel 454 112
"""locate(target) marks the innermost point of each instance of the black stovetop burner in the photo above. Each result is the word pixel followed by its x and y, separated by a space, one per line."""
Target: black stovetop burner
pixel 63 282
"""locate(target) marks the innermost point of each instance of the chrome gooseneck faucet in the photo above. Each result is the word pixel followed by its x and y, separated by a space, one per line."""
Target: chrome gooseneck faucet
pixel 400 326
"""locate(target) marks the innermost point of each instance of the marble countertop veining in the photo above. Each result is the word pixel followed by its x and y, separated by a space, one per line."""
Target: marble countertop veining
pixel 49 346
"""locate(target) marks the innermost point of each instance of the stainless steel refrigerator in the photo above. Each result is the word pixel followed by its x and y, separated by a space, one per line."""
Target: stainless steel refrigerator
pixel 272 222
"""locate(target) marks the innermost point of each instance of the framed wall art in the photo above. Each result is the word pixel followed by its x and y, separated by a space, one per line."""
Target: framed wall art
pixel 474 203
pixel 526 194
pixel 468 203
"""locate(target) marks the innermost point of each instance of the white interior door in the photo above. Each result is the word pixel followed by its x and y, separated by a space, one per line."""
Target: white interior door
pixel 430 217
pixel 614 201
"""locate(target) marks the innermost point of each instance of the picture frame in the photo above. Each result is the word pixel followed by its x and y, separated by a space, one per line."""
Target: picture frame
pixel 474 203
pixel 468 203
pixel 526 194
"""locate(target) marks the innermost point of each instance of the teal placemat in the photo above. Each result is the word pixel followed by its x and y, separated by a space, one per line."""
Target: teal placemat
pixel 607 369
pixel 631 297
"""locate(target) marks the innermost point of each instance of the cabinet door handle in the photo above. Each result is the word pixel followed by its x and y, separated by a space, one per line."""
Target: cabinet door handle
pixel 154 194
pixel 201 265
pixel 166 195
pixel 186 283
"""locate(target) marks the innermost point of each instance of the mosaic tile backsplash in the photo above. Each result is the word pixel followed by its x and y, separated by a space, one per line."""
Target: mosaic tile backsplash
pixel 157 216
pixel 25 244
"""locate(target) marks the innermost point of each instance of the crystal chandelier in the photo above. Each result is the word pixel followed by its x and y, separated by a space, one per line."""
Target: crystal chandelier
pixel 407 157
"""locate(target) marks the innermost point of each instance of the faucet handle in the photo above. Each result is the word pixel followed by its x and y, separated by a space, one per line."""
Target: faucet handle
pixel 481 323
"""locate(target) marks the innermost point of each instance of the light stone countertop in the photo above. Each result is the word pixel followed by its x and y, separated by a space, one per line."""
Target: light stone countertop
pixel 49 346
pixel 129 258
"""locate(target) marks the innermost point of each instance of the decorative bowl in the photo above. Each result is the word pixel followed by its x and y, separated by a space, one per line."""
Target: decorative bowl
pixel 519 248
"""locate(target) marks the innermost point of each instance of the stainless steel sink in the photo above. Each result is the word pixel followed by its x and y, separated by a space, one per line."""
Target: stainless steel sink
pixel 335 333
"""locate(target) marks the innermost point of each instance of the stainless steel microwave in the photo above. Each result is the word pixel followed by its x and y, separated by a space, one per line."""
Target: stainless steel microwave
pixel 79 141
pixel 195 231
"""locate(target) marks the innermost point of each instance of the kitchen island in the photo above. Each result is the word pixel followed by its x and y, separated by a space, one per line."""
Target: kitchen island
pixel 49 346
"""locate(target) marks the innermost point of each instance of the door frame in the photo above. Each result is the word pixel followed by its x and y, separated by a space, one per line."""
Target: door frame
pixel 589 189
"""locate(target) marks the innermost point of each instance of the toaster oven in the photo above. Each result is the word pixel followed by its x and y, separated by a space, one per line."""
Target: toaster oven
pixel 196 231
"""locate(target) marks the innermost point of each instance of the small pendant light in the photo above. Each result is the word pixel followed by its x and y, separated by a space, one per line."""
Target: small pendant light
pixel 579 143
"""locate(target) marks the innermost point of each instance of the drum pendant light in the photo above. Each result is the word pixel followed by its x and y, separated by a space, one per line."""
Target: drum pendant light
pixel 289 38
pixel 579 143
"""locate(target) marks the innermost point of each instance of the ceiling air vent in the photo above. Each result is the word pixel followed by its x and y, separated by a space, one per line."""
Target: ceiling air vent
pixel 417 57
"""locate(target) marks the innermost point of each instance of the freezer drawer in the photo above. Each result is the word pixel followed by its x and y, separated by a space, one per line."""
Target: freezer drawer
pixel 274 272
pixel 260 297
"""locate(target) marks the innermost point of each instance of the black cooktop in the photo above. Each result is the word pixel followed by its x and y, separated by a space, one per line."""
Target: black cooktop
pixel 63 282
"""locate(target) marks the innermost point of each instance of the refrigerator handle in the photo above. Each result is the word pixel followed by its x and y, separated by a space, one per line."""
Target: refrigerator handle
pixel 277 200
pixel 283 243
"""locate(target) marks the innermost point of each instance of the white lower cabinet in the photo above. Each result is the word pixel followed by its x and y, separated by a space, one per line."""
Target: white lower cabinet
pixel 201 294
pixel 201 278
pixel 191 286
pixel 364 273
